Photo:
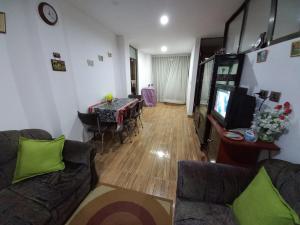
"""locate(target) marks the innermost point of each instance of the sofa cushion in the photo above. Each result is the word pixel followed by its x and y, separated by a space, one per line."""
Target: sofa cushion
pixel 51 190
pixel 285 177
pixel 17 210
pixel 9 142
pixel 36 157
pixel 201 213
pixel 7 172
pixel 262 204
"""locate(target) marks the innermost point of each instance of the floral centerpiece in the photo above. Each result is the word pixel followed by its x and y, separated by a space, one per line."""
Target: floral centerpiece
pixel 109 97
pixel 270 124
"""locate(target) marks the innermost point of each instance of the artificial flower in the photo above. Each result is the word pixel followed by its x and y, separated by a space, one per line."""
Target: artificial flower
pixel 287 111
pixel 287 105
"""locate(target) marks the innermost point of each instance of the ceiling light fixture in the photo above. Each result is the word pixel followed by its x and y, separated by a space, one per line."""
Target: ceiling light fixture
pixel 164 48
pixel 164 20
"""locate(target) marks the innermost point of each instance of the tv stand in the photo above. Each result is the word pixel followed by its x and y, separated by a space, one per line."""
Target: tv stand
pixel 237 153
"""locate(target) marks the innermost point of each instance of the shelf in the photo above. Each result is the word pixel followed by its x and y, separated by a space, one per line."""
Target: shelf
pixel 259 145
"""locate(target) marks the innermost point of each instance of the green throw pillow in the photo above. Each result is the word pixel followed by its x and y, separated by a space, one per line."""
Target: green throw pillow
pixel 36 157
pixel 261 204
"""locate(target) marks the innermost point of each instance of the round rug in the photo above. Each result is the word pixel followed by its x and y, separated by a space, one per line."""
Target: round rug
pixel 108 205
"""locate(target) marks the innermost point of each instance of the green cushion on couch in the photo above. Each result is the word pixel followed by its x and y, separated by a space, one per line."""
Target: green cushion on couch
pixel 36 157
pixel 262 204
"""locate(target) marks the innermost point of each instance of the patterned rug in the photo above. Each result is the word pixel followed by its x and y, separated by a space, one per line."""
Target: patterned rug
pixel 109 205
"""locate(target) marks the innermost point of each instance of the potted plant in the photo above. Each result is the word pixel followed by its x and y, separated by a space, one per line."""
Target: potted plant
pixel 270 124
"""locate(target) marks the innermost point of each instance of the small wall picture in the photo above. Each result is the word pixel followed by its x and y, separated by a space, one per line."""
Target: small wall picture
pixel 109 54
pixel 100 57
pixel 2 23
pixel 58 65
pixel 90 62
pixel 262 56
pixel 295 50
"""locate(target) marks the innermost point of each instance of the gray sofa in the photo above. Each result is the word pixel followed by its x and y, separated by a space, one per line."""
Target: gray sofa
pixel 205 189
pixel 45 199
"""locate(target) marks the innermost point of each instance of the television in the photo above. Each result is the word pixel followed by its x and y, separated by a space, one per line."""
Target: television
pixel 221 102
pixel 232 107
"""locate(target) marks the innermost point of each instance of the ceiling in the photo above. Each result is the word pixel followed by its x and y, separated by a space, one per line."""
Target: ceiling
pixel 138 20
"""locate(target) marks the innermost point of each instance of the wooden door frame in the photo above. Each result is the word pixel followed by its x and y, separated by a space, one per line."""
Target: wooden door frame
pixel 137 69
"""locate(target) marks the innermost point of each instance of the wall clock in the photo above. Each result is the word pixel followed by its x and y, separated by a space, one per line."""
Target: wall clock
pixel 48 13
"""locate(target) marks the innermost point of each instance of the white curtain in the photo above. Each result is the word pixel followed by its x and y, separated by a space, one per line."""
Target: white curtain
pixel 170 75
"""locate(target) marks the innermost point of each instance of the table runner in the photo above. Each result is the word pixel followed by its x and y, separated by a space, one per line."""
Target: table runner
pixel 114 111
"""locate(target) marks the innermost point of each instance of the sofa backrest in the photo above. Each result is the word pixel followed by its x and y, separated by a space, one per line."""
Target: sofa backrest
pixel 285 177
pixel 9 142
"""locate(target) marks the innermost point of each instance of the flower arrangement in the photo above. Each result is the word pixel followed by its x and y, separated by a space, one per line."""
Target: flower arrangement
pixel 270 124
pixel 109 97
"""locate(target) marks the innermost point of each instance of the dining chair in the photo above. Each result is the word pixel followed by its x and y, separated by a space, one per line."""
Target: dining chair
pixel 130 119
pixel 139 111
pixel 92 123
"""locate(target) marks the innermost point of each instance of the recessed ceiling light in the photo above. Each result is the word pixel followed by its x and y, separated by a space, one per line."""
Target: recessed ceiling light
pixel 164 48
pixel 164 20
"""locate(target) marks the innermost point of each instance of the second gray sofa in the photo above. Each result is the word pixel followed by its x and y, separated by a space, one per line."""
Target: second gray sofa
pixel 204 190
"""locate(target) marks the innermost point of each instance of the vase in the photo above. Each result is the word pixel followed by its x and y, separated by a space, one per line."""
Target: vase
pixel 266 137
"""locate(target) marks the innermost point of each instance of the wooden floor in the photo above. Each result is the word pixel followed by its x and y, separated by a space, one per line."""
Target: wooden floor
pixel 149 163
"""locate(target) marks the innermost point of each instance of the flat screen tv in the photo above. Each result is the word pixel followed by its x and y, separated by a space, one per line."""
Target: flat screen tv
pixel 232 107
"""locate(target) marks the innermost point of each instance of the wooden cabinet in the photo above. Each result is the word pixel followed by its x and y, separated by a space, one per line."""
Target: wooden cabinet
pixel 213 145
pixel 217 70
pixel 237 153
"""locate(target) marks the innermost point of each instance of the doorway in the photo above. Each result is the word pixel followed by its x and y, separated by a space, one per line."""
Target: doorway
pixel 134 70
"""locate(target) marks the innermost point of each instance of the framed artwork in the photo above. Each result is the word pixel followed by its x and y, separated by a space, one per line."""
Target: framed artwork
pixel 58 65
pixel 295 50
pixel 262 56
pixel 90 62
pixel 2 23
pixel 100 57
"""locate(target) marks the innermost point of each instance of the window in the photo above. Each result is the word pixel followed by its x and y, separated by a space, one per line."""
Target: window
pixel 234 33
pixel 257 20
pixel 287 18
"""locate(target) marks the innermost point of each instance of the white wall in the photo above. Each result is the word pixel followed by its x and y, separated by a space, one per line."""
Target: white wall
pixel 34 96
pixel 144 70
pixel 192 77
pixel 124 64
pixel 279 73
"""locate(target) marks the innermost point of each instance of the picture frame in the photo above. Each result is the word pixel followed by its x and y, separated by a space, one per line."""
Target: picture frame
pixel 262 56
pixel 2 23
pixel 90 62
pixel 58 65
pixel 100 58
pixel 295 49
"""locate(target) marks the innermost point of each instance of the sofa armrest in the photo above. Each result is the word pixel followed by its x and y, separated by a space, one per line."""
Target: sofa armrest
pixel 78 152
pixel 82 153
pixel 208 182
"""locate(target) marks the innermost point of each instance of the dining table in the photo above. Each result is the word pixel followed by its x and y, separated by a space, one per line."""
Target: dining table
pixel 113 112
